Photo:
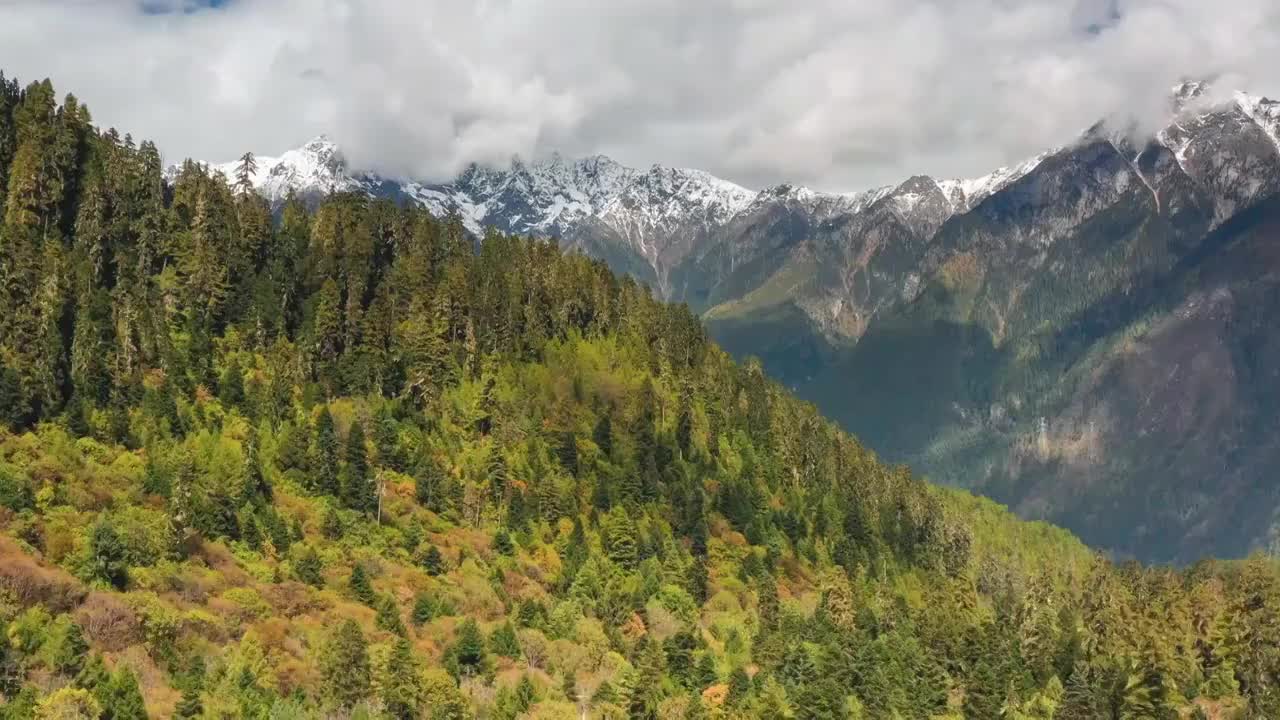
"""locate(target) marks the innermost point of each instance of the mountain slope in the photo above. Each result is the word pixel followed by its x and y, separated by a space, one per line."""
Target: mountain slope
pixel 348 464
pixel 993 283
pixel 1100 374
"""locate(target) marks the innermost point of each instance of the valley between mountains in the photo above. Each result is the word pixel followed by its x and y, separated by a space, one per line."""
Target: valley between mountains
pixel 1085 336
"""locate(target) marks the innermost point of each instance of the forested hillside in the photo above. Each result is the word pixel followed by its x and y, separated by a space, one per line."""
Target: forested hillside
pixel 344 463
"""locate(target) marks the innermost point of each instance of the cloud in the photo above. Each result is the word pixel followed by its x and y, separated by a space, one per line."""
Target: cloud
pixel 840 95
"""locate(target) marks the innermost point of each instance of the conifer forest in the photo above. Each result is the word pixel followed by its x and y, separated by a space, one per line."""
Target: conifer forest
pixel 345 460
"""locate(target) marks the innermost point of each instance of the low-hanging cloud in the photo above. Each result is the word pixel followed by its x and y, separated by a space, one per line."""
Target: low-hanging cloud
pixel 837 94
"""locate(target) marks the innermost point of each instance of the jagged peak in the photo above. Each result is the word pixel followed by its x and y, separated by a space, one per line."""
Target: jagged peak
pixel 321 142
pixel 916 184
pixel 1189 89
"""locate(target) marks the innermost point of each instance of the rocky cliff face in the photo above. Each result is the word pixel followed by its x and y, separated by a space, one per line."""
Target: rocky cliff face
pixel 1083 336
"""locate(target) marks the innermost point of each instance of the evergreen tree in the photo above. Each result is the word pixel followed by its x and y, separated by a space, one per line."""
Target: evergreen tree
pixel 620 538
pixel 246 170
pixel 387 440
pixel 388 617
pixel 428 485
pixel 325 466
pixel 189 707
pixel 250 532
pixel 277 531
pixel 695 709
pixel 684 431
pixel 603 435
pixel 358 491
pixel 704 674
pixel 503 641
pixel 502 543
pixel 679 656
pixel 984 694
pixel 108 555
pixel 424 609
pixel 120 698
pixel 467 657
pixel 433 561
pixel 309 569
pixel 344 667
pixel 360 587
pixel 699 581
pixel 739 685
pixel 67 649
pixel 256 487
pixel 93 676
pixel 401 694
pixel 331 524
pixel 1080 699
pixel 231 384
pixel 568 453
pixel 499 477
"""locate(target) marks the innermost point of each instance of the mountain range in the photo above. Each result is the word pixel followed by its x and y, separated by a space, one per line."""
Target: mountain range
pixel 1086 336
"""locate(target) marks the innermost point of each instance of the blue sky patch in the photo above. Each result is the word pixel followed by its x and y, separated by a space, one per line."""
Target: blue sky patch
pixel 186 7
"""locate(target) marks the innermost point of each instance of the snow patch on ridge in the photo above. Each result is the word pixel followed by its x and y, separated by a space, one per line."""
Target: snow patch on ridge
pixel 1264 112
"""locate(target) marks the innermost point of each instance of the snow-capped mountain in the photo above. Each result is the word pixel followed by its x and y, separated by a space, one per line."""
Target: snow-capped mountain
pixel 659 215
pixel 313 170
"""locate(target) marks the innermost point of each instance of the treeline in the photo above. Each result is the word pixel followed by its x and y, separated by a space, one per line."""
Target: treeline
pixel 345 462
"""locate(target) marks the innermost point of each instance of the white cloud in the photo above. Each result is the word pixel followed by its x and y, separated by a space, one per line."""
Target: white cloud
pixel 837 94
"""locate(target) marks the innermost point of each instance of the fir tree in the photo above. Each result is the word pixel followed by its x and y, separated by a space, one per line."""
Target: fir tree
pixel 704 673
pixel 401 694
pixel 387 440
pixel 325 467
pixel 67 649
pixel 699 581
pixel 189 707
pixel 344 666
pixel 502 543
pixel 467 657
pixel 684 431
pixel 1080 698
pixel 250 531
pixel 433 561
pixel 276 530
pixel 309 569
pixel 694 708
pixel 620 538
pixel 256 487
pixel 739 685
pixel 603 435
pixel 388 617
pixel 108 556
pixel 246 170
pixel 424 609
pixel 231 384
pixel 360 587
pixel 358 492
pixel 503 641
pixel 93 676
pixel 120 698
pixel 428 485
pixel 331 524
pixel 568 453
pixel 984 694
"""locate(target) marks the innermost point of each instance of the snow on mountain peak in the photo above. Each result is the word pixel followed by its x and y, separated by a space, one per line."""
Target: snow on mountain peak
pixel 552 194
pixel 1263 111
pixel 965 194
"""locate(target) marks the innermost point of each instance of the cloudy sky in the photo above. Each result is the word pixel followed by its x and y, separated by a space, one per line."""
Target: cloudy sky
pixel 838 94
